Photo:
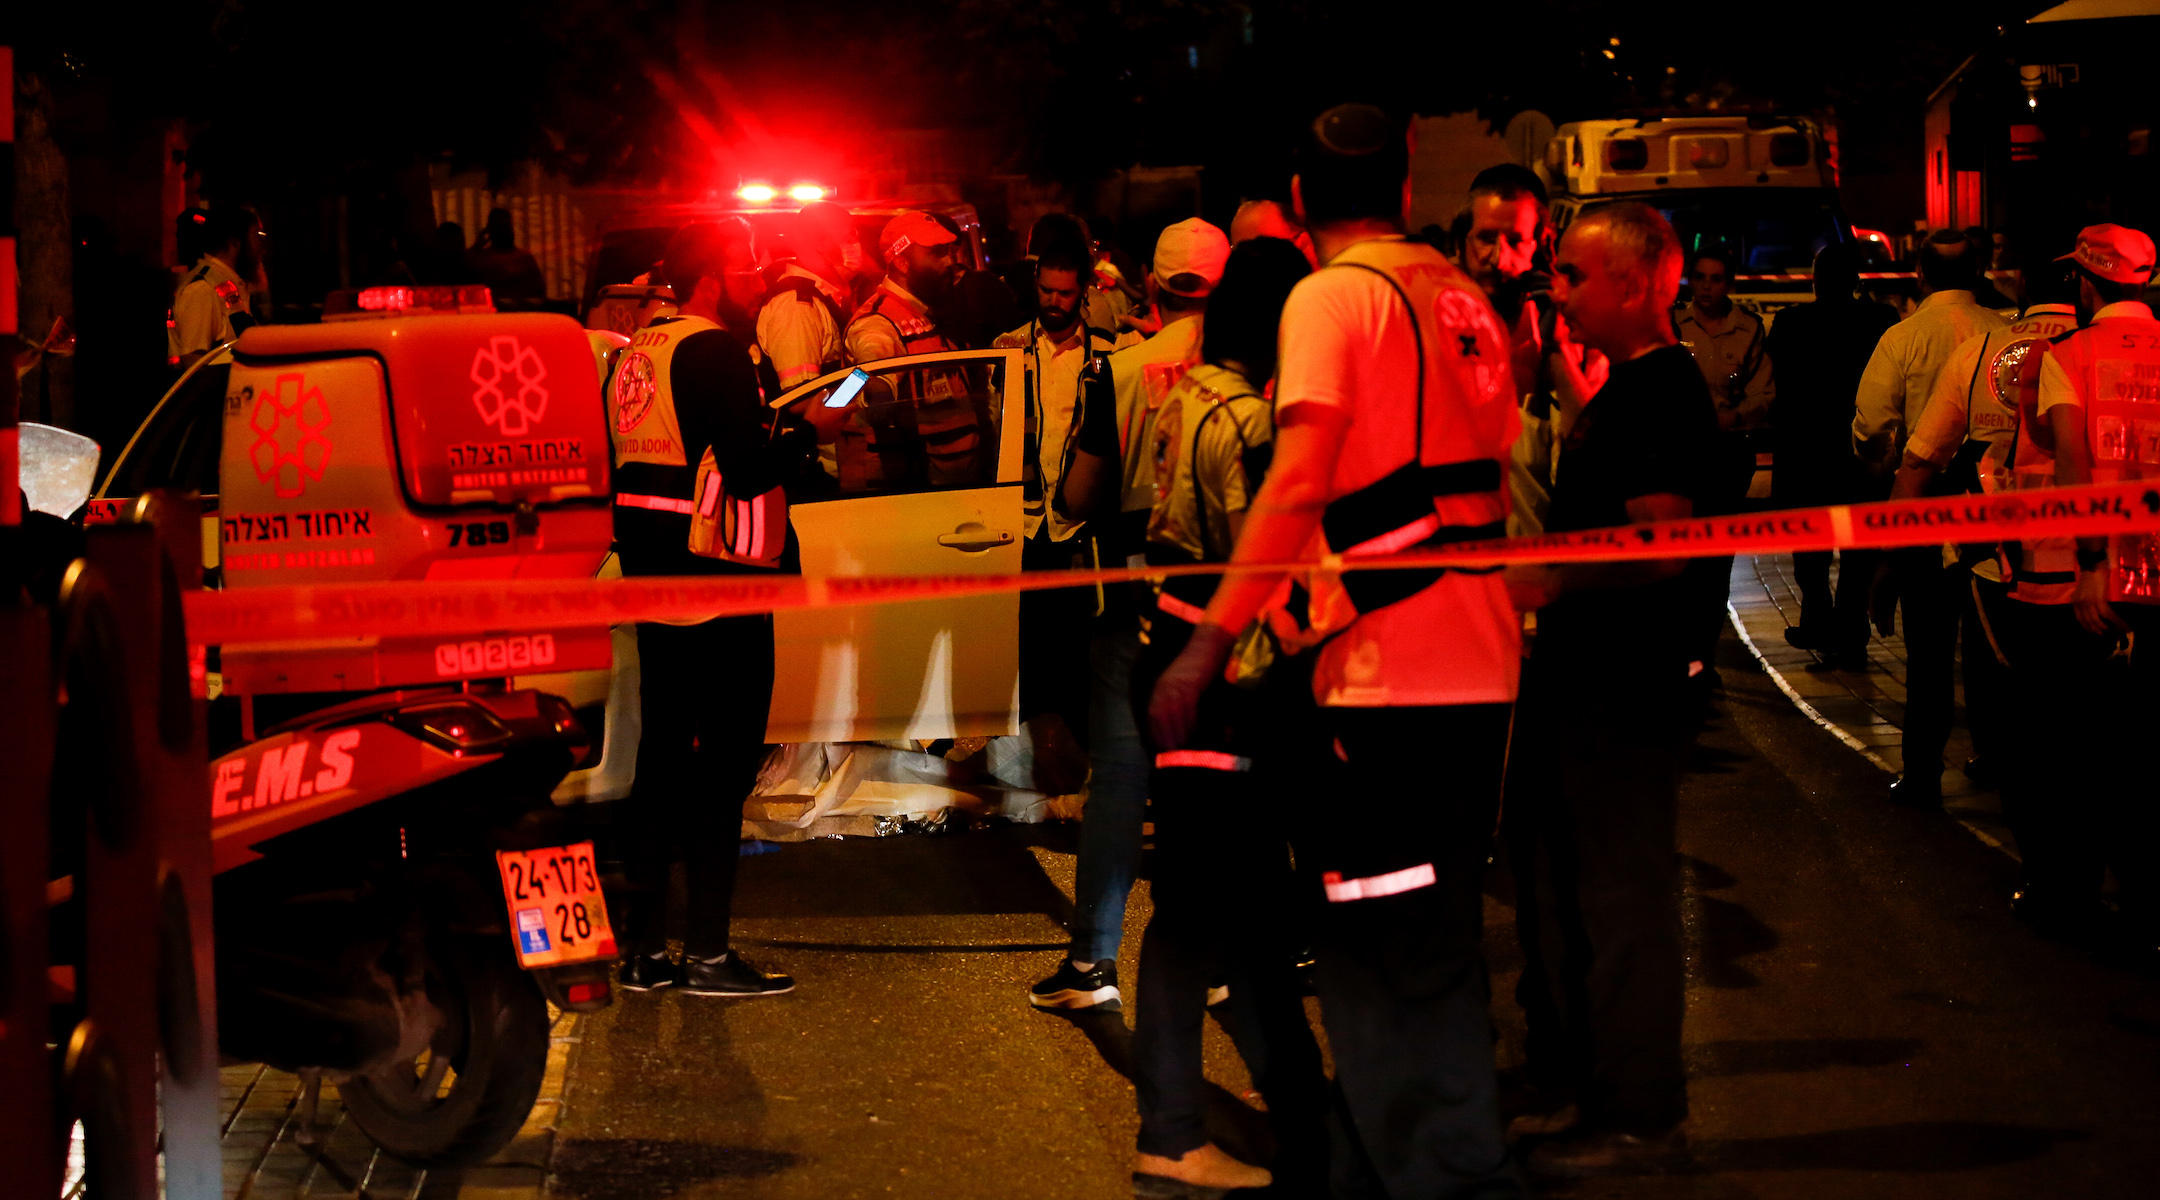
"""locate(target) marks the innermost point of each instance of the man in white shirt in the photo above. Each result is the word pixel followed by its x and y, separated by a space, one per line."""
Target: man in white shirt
pixel 803 325
pixel 1427 659
pixel 1894 392
pixel 213 305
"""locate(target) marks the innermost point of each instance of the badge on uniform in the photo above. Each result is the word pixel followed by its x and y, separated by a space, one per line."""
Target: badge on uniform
pixel 229 292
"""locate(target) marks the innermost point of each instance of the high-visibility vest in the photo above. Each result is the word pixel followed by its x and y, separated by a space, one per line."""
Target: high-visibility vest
pixel 645 429
pixel 932 412
pixel 1451 486
pixel 2000 409
pixel 2114 369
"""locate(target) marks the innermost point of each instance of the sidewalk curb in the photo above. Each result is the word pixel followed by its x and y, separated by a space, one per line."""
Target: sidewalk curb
pixel 1838 731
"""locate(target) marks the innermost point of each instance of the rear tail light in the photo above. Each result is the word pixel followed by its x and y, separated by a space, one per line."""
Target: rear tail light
pixel 1627 154
pixel 1789 150
pixel 407 302
pixel 586 993
pixel 458 726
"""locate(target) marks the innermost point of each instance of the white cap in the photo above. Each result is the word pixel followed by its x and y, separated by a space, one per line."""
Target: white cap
pixel 1189 257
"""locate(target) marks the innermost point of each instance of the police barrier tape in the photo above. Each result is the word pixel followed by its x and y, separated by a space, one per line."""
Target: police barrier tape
pixel 443 607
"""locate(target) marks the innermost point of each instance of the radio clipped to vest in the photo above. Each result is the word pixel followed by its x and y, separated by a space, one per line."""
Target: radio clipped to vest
pixel 752 533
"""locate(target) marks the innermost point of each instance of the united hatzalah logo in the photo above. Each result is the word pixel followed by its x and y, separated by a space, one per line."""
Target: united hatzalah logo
pixel 288 419
pixel 499 364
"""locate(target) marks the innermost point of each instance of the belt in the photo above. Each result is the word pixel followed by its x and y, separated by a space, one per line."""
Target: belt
pixel 655 503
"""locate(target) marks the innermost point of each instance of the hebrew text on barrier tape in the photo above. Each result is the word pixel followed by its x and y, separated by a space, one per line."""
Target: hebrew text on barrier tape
pixel 406 608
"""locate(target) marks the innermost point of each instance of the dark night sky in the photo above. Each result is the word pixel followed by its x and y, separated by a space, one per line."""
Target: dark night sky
pixel 1077 88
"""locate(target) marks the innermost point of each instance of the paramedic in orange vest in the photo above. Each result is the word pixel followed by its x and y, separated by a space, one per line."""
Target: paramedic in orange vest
pixel 685 386
pixel 1395 409
pixel 2100 396
pixel 926 431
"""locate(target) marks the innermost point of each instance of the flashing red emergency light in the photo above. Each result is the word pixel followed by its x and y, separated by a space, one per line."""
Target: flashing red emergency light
pixel 765 193
pixel 1870 235
pixel 407 301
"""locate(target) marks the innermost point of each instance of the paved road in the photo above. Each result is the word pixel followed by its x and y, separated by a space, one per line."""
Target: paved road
pixel 1865 1019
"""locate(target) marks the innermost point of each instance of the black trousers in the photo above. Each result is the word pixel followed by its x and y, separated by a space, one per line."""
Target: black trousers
pixel 1225 911
pixel 1846 609
pixel 2078 790
pixel 1592 836
pixel 1410 797
pixel 1987 680
pixel 1931 598
pixel 1055 627
pixel 704 692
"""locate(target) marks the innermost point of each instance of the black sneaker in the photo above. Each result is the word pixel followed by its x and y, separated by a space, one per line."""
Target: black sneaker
pixel 729 975
pixel 644 972
pixel 1071 987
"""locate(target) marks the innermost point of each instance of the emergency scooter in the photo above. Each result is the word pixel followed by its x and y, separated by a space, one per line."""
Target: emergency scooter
pixel 398 900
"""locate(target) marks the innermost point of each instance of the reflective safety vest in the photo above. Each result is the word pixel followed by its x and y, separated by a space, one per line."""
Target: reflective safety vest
pixel 645 429
pixel 2114 369
pixel 1452 488
pixel 1181 525
pixel 2001 402
pixel 932 410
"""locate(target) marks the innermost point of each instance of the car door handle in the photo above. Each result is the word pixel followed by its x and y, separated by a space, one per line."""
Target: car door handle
pixel 972 538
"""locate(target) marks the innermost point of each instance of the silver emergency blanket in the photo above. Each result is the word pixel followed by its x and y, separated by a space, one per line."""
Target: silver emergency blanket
pixel 878 789
pixel 59 468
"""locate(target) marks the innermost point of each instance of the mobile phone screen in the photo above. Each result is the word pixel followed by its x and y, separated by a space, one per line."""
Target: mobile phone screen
pixel 848 388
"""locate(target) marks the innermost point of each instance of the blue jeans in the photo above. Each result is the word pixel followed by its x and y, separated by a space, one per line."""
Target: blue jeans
pixel 1117 801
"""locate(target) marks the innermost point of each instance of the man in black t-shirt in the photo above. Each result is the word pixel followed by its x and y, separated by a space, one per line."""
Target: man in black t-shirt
pixel 1591 820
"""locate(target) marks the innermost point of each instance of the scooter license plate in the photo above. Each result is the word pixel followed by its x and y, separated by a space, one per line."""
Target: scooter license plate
pixel 557 914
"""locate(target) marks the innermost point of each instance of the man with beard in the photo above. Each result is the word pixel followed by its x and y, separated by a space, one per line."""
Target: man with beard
pixel 212 307
pixel 897 319
pixel 686 385
pixel 925 430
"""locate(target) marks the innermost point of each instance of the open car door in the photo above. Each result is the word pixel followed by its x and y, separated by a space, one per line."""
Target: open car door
pixel 923 469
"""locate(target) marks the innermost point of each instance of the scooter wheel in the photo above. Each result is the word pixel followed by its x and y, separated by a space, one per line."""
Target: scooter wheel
pixel 467 1095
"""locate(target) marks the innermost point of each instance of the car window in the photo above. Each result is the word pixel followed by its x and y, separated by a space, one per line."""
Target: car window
pixel 1774 231
pixel 179 448
pixel 916 428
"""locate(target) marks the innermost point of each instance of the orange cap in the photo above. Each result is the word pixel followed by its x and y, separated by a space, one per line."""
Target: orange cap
pixel 2114 252
pixel 912 229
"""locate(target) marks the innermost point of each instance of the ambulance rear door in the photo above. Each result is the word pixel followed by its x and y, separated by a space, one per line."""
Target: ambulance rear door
pixel 921 476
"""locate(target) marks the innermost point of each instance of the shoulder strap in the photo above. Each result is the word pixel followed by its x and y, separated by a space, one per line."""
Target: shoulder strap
pixel 1417 334
pixel 1220 404
pixel 1972 385
pixel 810 293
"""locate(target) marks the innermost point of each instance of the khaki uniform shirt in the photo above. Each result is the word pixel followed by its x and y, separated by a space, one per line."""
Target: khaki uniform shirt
pixel 1176 342
pixel 799 334
pixel 203 310
pixel 1734 363
pixel 1901 375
